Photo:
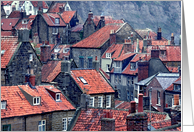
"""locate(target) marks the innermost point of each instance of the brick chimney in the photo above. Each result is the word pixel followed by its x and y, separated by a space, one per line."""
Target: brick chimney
pixel 23 35
pixel 32 77
pixel 112 37
pixel 136 121
pixel 128 46
pixel 45 53
pixel 159 34
pixel 108 123
pixel 96 64
pixel 13 31
pixel 143 70
pixel 155 52
pixel 90 16
pixel 140 104
pixel 172 39
pixel 22 14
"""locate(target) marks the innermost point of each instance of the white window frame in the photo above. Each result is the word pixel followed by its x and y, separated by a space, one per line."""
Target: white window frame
pixel 31 57
pixel 91 102
pixel 3 104
pixel 41 125
pixel 117 64
pixel 57 21
pixel 24 21
pixel 108 101
pixel 59 97
pixel 119 93
pixel 158 97
pixel 55 30
pixel 64 120
pixel 108 55
pixel 83 80
pixel 36 98
pixel 69 120
pixel 100 101
pixel 172 101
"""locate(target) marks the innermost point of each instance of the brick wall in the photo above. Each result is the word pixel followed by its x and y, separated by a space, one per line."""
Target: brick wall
pixel 17 123
pixel 143 70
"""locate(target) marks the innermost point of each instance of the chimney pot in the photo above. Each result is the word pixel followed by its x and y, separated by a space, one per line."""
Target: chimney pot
pixel 140 104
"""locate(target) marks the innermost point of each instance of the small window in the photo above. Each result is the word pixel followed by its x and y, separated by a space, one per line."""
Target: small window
pixel 108 55
pixel 119 79
pixel 100 101
pixel 107 67
pixel 56 20
pixel 90 62
pixel 55 30
pixel 128 81
pixel 133 66
pixel 64 124
pixel 131 95
pixel 162 52
pixel 7 12
pixel 91 103
pixel 30 8
pixel 31 57
pixel 24 21
pixel 58 97
pixel 3 104
pixel 64 30
pixel 42 125
pixel 158 97
pixel 66 50
pixel 132 80
pixel 83 80
pixel 108 101
pixel 69 120
pixel 81 62
pixel 117 63
pixel 128 95
pixel 36 101
pixel 6 127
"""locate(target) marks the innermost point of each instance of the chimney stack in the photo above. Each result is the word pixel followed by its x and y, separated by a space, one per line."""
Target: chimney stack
pixel 143 70
pixel 140 104
pixel 155 52
pixel 36 38
pixel 172 39
pixel 133 106
pixel 108 123
pixel 23 35
pixel 90 16
pixel 112 37
pixel 96 64
pixel 128 46
pixel 61 9
pixel 159 34
pixel 65 66
pixel 45 53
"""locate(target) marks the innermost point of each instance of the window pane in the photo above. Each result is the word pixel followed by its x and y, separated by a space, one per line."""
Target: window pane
pixel 38 100
pixel 43 128
pixel 34 100
pixel 39 128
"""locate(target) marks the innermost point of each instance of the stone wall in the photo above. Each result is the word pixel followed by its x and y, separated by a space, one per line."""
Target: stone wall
pixel 88 29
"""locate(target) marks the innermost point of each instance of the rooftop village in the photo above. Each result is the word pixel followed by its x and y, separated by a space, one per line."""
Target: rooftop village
pixel 62 73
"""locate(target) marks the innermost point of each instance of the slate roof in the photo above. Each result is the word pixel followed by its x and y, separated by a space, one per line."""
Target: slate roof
pixel 165 82
pixel 50 70
pixel 18 105
pixel 44 4
pixel 98 38
pixel 9 44
pixel 8 23
pixel 50 19
pixel 77 28
pixel 115 50
pixel 171 87
pixel 124 56
pixel 67 16
pixel 14 14
pixel 95 81
pixel 6 33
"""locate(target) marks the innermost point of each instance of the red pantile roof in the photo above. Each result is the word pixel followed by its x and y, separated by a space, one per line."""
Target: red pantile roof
pixel 95 82
pixel 67 15
pixel 114 49
pixel 32 16
pixel 50 70
pixel 55 7
pixel 161 124
pixel 21 25
pixel 123 105
pixel 128 70
pixel 77 28
pixel 156 116
pixel 7 23
pixel 50 19
pixel 9 44
pixel 6 2
pixel 62 48
pixel 44 4
pixel 98 38
pixel 117 102
pixel 174 129
pixel 18 105
pixel 160 42
pixel 14 14
pixel 108 20
pixel 6 33
pixel 124 56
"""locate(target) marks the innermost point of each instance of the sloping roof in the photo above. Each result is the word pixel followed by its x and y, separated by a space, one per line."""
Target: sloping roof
pixel 32 16
pixel 62 48
pixel 50 70
pixel 44 4
pixel 147 80
pixel 95 82
pixel 165 82
pixel 6 33
pixel 96 19
pixel 50 19
pixel 14 14
pixel 114 49
pixel 55 7
pixel 28 25
pixel 172 69
pixel 77 28
pixel 98 38
pixel 9 44
pixel 124 105
pixel 161 124
pixel 18 105
pixel 124 56
pixel 128 70
pixel 7 23
pixel 67 15
pixel 6 2
pixel 171 87
pixel 104 73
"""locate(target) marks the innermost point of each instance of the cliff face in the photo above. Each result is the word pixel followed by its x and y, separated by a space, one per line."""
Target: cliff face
pixel 139 14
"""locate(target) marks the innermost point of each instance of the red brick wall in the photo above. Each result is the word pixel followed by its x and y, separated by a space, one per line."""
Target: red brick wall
pixel 112 38
pixel 154 53
pixel 142 70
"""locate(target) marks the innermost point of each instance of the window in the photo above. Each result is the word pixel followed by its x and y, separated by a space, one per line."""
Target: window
pixel 58 97
pixel 117 63
pixel 108 55
pixel 56 20
pixel 42 125
pixel 100 101
pixel 69 120
pixel 132 79
pixel 108 101
pixel 119 93
pixel 30 8
pixel 24 21
pixel 81 62
pixel 128 95
pixel 83 80
pixel 172 101
pixel 36 100
pixel 158 97
pixel 6 127
pixel 31 57
pixel 116 78
pixel 90 62
pixel 162 52
pixel 128 81
pixel 64 30
pixel 107 67
pixel 66 50
pixel 64 124
pixel 119 79
pixel 131 95
pixel 55 30
pixel 133 66
pixel 91 103
pixel 177 87
pixel 3 104
pixel 67 8
pixel 7 12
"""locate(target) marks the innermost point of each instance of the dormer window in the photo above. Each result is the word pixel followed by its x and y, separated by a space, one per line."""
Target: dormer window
pixel 108 55
pixel 163 52
pixel 36 101
pixel 83 80
pixel 133 66
pixel 24 21
pixel 56 20
pixel 58 97
pixel 117 63
pixel 66 50
pixel 3 104
pixel 177 87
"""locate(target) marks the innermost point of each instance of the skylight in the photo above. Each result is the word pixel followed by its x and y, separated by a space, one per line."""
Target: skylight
pixel 83 80
pixel 2 52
